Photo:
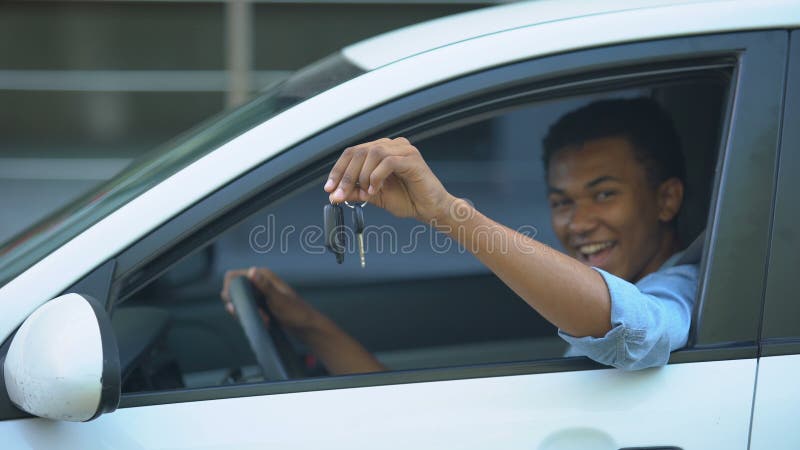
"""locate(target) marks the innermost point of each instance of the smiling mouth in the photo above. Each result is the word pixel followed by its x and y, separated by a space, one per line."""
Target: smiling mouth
pixel 596 253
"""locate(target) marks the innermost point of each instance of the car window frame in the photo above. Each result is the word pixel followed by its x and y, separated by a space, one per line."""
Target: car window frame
pixel 310 160
pixel 741 218
pixel 779 336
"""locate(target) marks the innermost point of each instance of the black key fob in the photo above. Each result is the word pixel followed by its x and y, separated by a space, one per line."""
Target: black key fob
pixel 358 218
pixel 334 230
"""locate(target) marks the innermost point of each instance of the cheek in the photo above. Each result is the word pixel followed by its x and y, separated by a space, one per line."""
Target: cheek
pixel 621 216
pixel 559 223
pixel 634 217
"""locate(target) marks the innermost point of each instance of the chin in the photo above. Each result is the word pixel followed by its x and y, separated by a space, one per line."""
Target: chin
pixel 613 269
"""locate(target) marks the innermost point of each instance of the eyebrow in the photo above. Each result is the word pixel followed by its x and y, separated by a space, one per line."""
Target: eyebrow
pixel 602 179
pixel 591 184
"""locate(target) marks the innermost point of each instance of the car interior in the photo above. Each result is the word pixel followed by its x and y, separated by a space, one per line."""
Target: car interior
pixel 421 301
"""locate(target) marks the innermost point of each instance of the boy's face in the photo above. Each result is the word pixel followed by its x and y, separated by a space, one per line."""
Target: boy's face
pixel 605 212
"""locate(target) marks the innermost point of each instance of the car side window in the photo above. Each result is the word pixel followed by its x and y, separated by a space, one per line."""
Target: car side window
pixel 421 301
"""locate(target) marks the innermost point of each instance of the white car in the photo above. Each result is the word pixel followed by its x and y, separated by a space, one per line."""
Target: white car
pixel 114 335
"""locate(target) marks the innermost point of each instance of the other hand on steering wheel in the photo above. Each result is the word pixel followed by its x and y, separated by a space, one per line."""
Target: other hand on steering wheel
pixel 264 304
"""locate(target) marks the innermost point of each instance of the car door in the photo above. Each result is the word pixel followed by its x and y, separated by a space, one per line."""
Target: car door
pixel 777 400
pixel 702 399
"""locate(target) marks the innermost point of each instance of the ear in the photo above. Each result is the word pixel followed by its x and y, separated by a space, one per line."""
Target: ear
pixel 670 199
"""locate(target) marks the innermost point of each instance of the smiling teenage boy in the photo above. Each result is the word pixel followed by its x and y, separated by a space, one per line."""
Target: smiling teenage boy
pixel 615 185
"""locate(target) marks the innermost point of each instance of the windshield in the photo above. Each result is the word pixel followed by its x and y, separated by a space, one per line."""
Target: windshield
pixel 38 241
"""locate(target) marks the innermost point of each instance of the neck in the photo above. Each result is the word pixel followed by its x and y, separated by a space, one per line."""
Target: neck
pixel 668 246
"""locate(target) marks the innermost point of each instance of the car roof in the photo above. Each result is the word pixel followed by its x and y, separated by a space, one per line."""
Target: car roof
pixel 405 42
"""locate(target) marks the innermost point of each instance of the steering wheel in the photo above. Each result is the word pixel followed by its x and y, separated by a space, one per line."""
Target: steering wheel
pixel 273 351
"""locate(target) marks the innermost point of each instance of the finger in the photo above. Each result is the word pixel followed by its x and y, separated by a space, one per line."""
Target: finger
pixel 268 282
pixel 229 276
pixel 344 160
pixel 351 176
pixel 406 157
pixel 272 282
pixel 374 157
pixel 261 279
pixel 338 169
pixel 363 196
pixel 388 166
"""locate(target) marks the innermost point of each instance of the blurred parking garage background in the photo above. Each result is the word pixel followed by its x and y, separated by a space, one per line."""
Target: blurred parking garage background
pixel 87 86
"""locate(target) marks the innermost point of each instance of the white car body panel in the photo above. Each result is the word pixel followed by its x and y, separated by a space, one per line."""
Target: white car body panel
pixel 415 39
pixel 776 412
pixel 63 267
pixel 699 406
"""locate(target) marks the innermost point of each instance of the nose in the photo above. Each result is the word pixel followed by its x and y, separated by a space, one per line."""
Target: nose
pixel 583 219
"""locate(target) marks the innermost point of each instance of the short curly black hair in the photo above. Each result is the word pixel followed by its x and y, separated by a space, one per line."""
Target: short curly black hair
pixel 641 120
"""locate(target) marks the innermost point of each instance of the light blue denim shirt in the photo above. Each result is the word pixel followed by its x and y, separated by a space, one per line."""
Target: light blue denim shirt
pixel 649 319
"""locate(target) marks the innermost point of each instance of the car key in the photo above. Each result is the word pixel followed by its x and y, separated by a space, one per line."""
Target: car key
pixel 358 224
pixel 334 230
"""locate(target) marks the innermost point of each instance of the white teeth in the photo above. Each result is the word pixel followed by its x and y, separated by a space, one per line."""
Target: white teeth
pixel 594 248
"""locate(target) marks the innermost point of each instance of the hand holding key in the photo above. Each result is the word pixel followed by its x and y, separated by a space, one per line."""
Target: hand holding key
pixel 391 174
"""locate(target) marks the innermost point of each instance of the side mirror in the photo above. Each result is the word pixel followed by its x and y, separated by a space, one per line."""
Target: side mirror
pixel 63 363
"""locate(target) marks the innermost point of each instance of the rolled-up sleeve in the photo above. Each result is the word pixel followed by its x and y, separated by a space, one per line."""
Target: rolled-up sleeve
pixel 648 319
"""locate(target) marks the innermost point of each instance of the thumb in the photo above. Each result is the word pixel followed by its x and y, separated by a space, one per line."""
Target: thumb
pixel 258 281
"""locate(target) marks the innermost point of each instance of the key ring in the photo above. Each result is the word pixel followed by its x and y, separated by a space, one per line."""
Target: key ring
pixel 351 206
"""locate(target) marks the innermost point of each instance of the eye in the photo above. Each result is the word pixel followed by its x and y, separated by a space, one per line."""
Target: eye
pixel 557 203
pixel 605 195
